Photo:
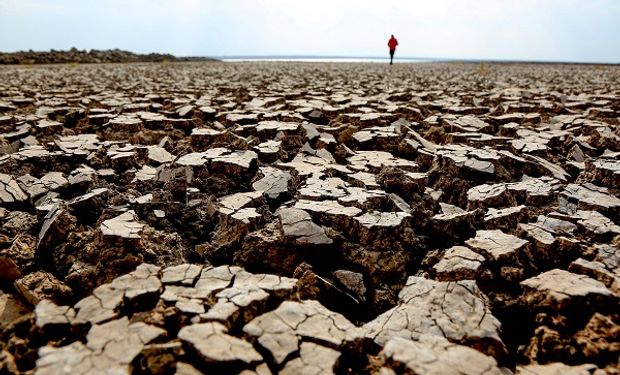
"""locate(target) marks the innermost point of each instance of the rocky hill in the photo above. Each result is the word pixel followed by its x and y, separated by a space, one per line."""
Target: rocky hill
pixel 84 57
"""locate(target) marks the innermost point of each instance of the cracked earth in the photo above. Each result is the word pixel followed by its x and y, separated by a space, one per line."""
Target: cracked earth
pixel 309 218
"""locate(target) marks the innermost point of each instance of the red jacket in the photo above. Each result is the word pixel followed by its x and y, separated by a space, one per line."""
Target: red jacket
pixel 392 43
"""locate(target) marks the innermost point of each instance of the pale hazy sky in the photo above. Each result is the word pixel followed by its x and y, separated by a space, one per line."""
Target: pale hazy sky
pixel 556 30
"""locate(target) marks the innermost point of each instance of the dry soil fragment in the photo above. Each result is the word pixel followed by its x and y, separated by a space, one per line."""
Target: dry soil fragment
pixel 185 274
pixel 230 204
pixel 110 348
pixel 159 155
pixel 281 330
pixel 535 191
pixel 313 359
pixel 329 211
pixel 464 159
pixel 430 354
pixel 104 303
pixel 274 183
pixel 379 229
pixel 484 196
pixel 596 224
pixel 458 263
pixel 213 344
pixel 598 271
pixel 123 226
pixel 375 160
pixel 457 311
pixel 247 296
pixel 236 163
pixel 559 287
pixel 211 279
pixel 606 172
pixel 297 225
pixel 48 313
pixel 9 190
pixel 505 218
pixel 592 197
pixel 496 245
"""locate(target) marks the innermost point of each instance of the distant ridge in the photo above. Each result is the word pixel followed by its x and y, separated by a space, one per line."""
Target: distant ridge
pixel 85 57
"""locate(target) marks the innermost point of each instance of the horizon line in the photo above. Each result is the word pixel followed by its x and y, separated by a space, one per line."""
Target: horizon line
pixel 428 59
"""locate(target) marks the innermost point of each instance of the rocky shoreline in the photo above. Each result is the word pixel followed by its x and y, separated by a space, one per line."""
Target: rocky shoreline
pixel 75 56
pixel 265 218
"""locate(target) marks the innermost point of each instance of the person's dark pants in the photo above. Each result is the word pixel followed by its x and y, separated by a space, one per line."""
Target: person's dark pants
pixel 392 55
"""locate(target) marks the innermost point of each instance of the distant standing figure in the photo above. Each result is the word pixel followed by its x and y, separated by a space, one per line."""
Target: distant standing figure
pixel 392 43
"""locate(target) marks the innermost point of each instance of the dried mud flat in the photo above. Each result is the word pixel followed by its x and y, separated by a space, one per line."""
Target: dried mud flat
pixel 291 218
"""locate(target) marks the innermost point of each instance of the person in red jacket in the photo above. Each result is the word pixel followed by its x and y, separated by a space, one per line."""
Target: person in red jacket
pixel 392 43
